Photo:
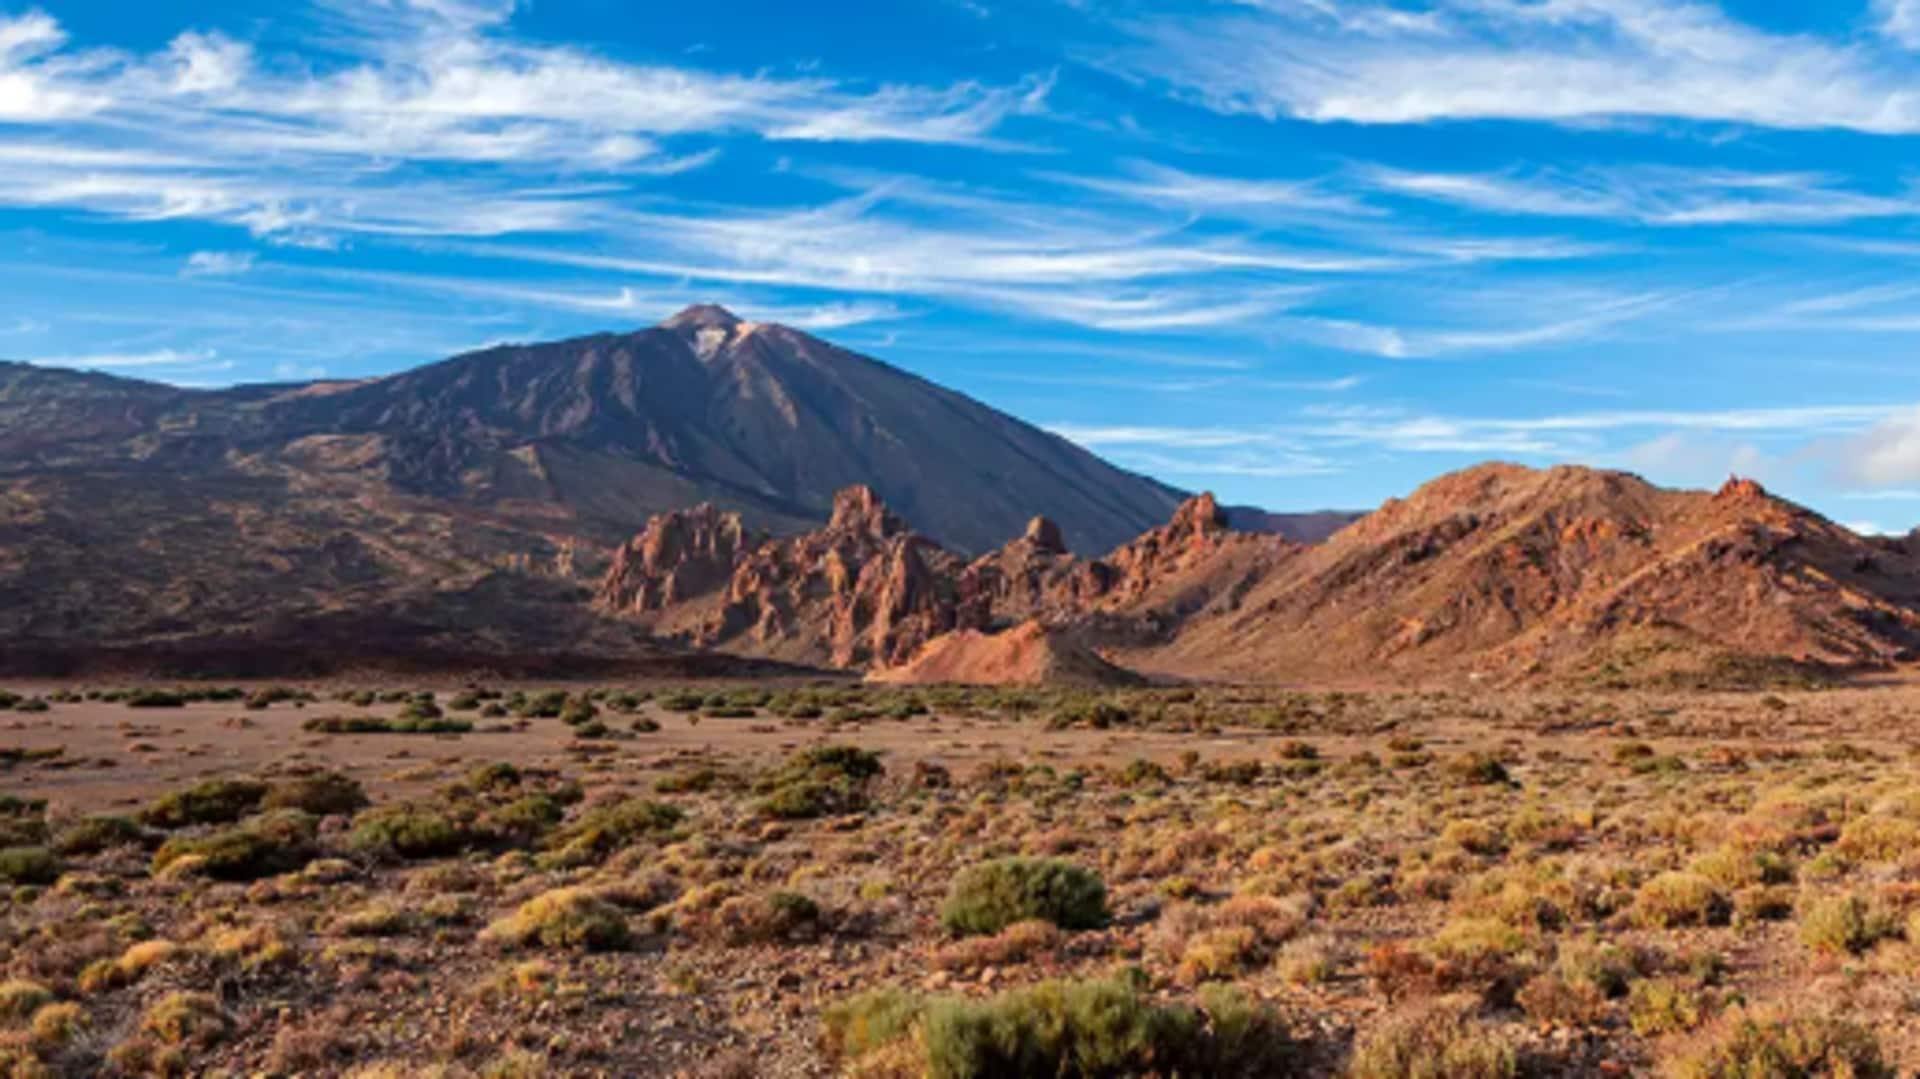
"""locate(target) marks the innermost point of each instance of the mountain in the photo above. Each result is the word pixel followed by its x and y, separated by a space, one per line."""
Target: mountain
pixel 1502 570
pixel 134 514
pixel 1499 571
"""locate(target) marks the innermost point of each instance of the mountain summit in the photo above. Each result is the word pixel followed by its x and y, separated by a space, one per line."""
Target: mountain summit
pixel 161 511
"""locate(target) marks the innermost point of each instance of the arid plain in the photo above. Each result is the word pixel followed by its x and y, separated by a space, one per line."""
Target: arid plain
pixel 797 878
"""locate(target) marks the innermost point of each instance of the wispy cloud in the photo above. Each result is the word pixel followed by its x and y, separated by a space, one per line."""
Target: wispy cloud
pixel 207 129
pixel 1655 195
pixel 170 358
pixel 1562 61
pixel 1333 432
pixel 1899 20
pixel 218 263
pixel 1586 316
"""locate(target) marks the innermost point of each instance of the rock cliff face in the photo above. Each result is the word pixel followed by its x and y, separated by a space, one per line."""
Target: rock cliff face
pixel 868 592
pixel 865 590
pixel 1497 571
pixel 680 555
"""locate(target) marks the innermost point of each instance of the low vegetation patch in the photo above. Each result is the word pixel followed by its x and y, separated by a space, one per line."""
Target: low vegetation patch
pixel 991 896
pixel 565 918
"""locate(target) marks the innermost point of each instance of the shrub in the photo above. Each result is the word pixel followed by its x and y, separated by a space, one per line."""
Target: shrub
pixel 776 916
pixel 988 897
pixel 20 999
pixel 819 781
pixel 1479 769
pixel 97 833
pixel 1439 1040
pixel 602 830
pixel 325 795
pixel 1552 999
pixel 1103 1027
pixel 182 1019
pixel 409 831
pixel 1220 941
pixel 28 865
pixel 57 1025
pixel 1664 1006
pixel 216 801
pixel 1015 945
pixel 276 842
pixel 1746 1044
pixel 154 698
pixel 872 1020
pixel 525 819
pixel 1141 772
pixel 402 724
pixel 1475 837
pixel 1679 898
pixel 493 778
pixel 1877 838
pixel 1482 953
pixel 1845 925
pixel 572 918
pixel 1607 968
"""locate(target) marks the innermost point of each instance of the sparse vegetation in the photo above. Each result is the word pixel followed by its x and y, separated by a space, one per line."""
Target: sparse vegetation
pixel 1121 898
pixel 989 897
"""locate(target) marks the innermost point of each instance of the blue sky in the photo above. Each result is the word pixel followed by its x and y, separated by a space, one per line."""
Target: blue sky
pixel 1301 252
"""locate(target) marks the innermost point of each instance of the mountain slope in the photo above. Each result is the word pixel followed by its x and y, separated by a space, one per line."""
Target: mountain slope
pixel 758 417
pixel 1503 570
pixel 132 512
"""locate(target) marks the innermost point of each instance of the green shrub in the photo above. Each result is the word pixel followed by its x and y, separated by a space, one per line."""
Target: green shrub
pixel 571 918
pixel 875 1019
pixel 277 842
pixel 20 999
pixel 1664 1006
pixel 28 865
pixel 97 833
pixel 1746 1045
pixel 1103 1027
pixel 493 778
pixel 409 831
pixel 602 830
pixel 1439 1040
pixel 216 801
pixel 819 781
pixel 1678 898
pixel 1845 925
pixel 526 818
pixel 401 724
pixel 988 897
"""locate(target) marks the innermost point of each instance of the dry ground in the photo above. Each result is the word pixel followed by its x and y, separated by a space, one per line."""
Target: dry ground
pixel 672 880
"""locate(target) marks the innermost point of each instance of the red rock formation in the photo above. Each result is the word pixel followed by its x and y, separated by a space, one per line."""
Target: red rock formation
pixel 863 590
pixel 1498 570
pixel 679 556
pixel 1029 654
pixel 867 592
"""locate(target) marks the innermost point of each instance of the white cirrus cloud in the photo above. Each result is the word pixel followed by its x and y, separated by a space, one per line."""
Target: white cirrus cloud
pixel 1567 61
pixel 218 263
pixel 1655 195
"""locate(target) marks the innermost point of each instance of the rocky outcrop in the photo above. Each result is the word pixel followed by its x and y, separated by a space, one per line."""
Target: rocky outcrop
pixel 1495 571
pixel 868 592
pixel 864 590
pixel 679 556
pixel 1029 654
